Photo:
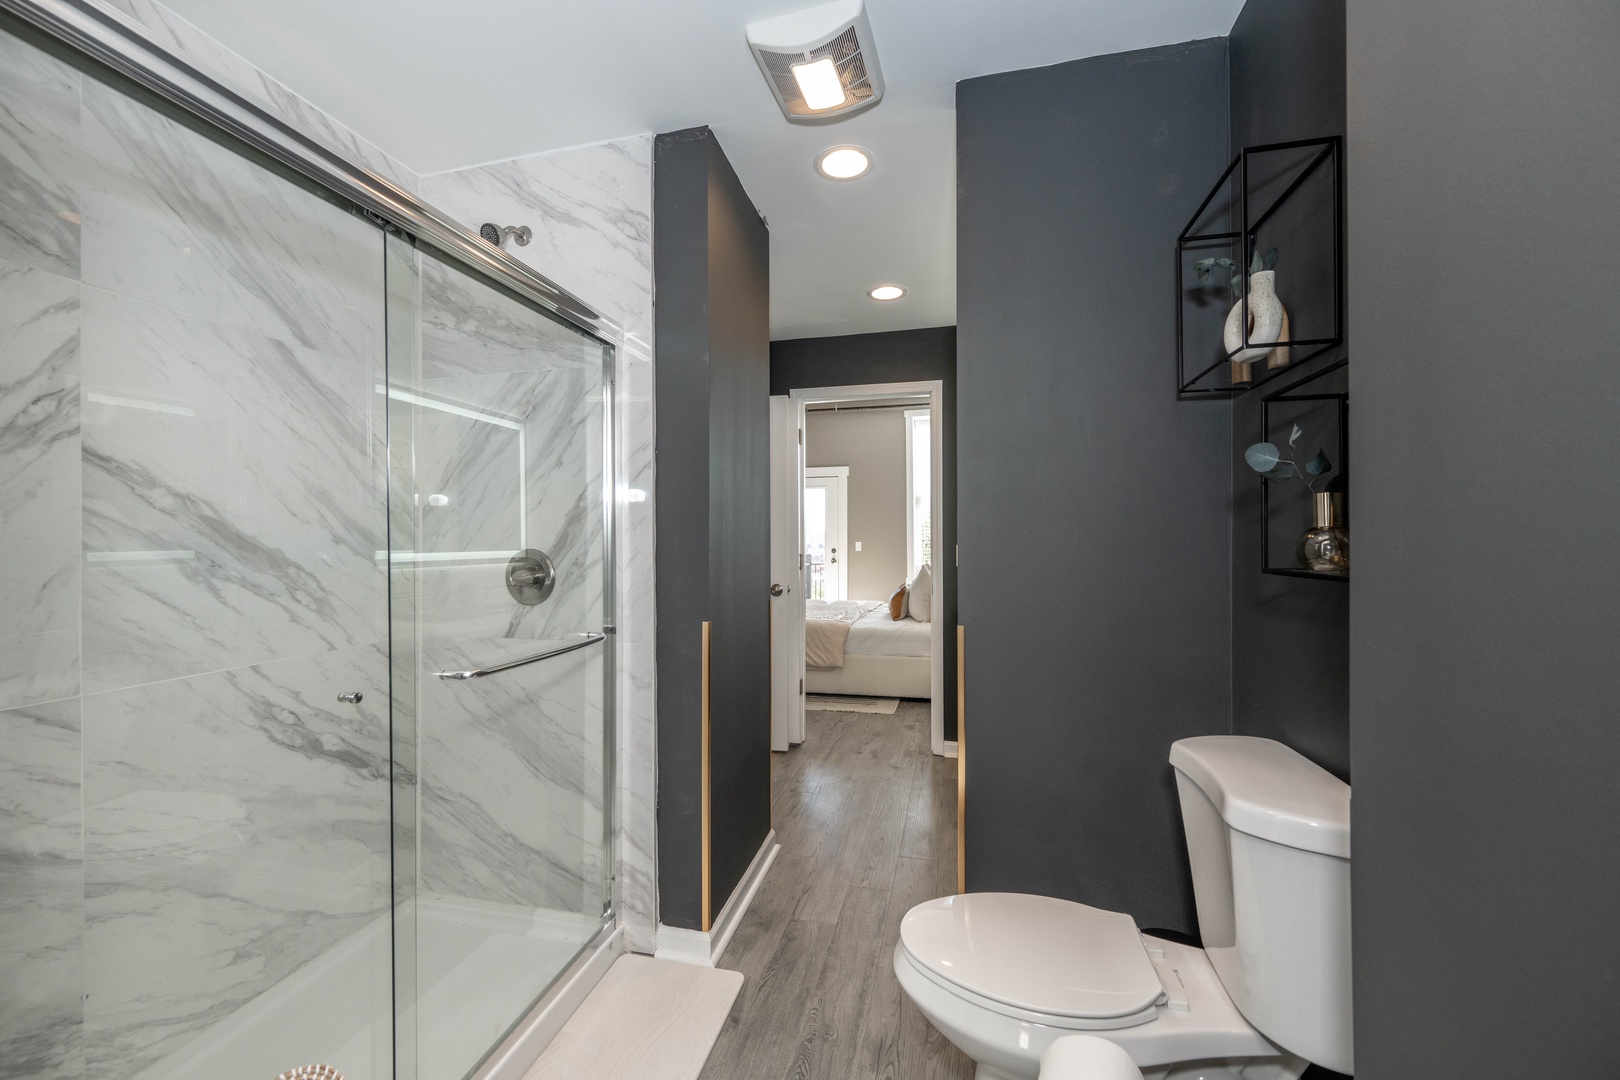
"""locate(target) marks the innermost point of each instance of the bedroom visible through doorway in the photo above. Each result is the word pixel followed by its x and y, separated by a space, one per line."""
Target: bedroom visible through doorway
pixel 855 482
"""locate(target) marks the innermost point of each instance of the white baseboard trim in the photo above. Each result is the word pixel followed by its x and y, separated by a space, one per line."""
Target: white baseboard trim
pixel 684 946
pixel 517 1055
pixel 950 748
pixel 705 950
pixel 725 924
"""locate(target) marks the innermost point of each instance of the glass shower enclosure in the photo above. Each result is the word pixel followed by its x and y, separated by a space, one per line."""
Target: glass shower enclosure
pixel 305 549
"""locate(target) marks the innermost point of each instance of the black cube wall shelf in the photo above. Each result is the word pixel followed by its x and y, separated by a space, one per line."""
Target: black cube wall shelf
pixel 1293 403
pixel 1287 195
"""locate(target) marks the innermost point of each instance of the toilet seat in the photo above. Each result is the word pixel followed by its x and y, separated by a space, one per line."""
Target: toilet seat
pixel 1036 958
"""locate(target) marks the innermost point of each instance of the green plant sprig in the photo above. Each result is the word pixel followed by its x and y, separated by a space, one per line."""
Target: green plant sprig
pixel 1205 267
pixel 1266 459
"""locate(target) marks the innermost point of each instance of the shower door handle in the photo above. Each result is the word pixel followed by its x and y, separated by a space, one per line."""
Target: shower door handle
pixel 479 673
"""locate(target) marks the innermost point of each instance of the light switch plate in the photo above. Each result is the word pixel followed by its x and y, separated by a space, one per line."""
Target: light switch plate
pixel 857 545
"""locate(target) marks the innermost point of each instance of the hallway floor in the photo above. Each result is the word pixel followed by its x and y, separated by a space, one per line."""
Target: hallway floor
pixel 866 817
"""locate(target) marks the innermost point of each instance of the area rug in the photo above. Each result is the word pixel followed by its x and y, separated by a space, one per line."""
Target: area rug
pixel 834 703
pixel 646 1020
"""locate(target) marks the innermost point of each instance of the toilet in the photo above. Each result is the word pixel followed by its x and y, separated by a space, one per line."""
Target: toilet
pixel 1005 975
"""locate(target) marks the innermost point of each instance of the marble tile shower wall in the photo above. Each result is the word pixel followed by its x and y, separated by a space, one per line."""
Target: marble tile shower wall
pixel 179 36
pixel 179 900
pixel 591 211
pixel 187 814
pixel 511 768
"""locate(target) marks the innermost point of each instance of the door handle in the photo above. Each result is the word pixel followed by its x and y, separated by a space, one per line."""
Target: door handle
pixel 778 590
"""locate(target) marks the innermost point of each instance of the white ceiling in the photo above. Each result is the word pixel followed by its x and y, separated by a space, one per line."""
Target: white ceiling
pixel 443 84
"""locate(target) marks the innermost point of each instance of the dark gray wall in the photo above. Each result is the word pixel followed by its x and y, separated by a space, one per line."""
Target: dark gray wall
pixel 900 356
pixel 1290 637
pixel 1093 514
pixel 1485 604
pixel 712 367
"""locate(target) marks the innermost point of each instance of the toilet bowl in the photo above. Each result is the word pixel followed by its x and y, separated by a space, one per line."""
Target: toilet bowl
pixel 1086 1057
pixel 1004 975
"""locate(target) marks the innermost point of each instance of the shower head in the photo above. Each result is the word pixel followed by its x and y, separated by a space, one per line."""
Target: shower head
pixel 494 233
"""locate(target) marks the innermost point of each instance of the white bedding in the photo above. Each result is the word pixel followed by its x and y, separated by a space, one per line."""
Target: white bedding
pixel 875 634
pixel 882 657
pixel 878 635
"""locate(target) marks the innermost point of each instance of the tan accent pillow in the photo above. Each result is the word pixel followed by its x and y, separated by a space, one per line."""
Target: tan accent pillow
pixel 897 603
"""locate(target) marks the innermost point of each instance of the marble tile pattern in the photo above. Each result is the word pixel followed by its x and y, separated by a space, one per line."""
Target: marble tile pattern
pixel 236 830
pixel 510 768
pixel 39 485
pixel 590 208
pixel 41 894
pixel 636 813
pixel 491 356
pixel 189 346
pixel 591 211
pixel 191 484
pixel 178 35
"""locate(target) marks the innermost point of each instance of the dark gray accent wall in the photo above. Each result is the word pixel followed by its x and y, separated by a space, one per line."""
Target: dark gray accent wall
pixel 1290 637
pixel 1093 506
pixel 899 356
pixel 1485 601
pixel 712 370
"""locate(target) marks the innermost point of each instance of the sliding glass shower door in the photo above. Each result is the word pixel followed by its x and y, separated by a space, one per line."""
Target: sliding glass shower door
pixel 265 468
pixel 194 717
pixel 500 493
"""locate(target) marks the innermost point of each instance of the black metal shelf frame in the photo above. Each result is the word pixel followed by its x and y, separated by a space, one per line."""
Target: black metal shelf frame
pixel 1341 469
pixel 1329 153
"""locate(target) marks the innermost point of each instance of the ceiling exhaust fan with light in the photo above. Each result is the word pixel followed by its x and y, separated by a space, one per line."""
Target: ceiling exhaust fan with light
pixel 819 62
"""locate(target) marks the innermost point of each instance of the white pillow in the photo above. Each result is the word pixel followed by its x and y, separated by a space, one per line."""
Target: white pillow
pixel 920 600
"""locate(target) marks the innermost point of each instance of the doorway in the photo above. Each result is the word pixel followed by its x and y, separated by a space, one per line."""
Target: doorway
pixel 826 532
pixel 812 515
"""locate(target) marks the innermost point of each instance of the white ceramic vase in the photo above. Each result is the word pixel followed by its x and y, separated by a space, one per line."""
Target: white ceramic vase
pixel 1265 319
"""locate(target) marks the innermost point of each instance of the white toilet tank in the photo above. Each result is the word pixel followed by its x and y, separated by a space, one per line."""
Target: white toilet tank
pixel 1268 835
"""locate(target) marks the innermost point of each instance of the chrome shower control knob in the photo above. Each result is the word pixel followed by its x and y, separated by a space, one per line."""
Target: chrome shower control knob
pixel 530 577
pixel 353 697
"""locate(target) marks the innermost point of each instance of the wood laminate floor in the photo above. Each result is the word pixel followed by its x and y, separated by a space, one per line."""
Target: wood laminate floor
pixel 866 817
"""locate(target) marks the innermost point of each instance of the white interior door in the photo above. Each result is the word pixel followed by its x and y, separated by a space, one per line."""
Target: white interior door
pixel 826 536
pixel 787 606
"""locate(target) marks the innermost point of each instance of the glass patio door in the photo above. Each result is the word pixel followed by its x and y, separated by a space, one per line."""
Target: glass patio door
pixel 826 556
pixel 499 548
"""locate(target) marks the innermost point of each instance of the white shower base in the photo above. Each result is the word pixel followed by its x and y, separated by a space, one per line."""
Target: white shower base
pixel 479 968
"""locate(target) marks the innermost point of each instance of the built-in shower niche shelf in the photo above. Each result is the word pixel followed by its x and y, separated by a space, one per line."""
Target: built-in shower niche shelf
pixel 1288 196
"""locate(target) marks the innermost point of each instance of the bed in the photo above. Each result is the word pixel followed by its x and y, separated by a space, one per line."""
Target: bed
pixel 882 657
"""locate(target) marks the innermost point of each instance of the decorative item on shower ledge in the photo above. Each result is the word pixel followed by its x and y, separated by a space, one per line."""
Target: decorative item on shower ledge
pixel 311 1072
pixel 1325 547
pixel 1268 319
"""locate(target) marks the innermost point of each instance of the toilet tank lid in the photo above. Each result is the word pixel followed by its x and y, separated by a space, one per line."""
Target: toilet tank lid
pixel 1263 788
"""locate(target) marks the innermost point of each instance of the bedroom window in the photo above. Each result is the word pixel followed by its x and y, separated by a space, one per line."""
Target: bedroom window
pixel 919 490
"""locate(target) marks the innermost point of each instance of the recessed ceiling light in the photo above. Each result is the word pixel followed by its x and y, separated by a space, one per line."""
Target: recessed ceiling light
pixel 844 163
pixel 887 292
pixel 819 83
